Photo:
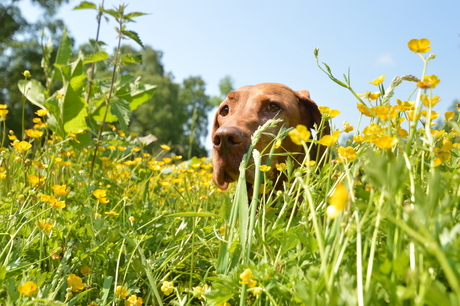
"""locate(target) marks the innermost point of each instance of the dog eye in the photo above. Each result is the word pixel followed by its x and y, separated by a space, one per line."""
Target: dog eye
pixel 224 111
pixel 273 107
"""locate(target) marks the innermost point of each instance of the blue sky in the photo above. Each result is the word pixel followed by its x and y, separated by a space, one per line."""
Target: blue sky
pixel 273 41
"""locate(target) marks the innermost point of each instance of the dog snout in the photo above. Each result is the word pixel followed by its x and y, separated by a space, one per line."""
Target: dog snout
pixel 226 138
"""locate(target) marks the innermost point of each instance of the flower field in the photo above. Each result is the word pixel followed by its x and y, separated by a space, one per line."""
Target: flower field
pixel 88 216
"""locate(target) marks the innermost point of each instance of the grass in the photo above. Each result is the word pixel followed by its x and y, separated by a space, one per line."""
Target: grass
pixel 377 224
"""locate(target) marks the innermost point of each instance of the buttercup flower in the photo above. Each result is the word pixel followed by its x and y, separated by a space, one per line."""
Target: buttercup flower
pixel 41 112
pixel 347 154
pixel 378 80
pixel 85 270
pixel 429 81
pixel 329 140
pixel 427 101
pixel 34 133
pixel 22 146
pixel 347 127
pixel 364 110
pixel 44 225
pixel 34 179
pixel 60 190
pixel 165 147
pixel 247 278
pixel 299 134
pixel 121 292
pixel 385 112
pixel 101 195
pixel 337 201
pixel 28 288
pixel 327 111
pixel 133 300
pixel 449 115
pixel 265 168
pixel 371 96
pixel 419 45
pixel 385 142
pixel 75 283
pixel 26 73
pixel 167 288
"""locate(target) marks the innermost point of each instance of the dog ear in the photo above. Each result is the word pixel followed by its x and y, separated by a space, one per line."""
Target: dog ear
pixel 310 114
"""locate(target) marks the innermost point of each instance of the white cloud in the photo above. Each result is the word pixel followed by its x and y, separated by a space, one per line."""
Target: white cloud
pixel 386 60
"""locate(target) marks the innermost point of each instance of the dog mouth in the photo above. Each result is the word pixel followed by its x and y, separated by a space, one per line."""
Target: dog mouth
pixel 225 174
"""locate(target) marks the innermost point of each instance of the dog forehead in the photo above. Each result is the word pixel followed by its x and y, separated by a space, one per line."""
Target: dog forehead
pixel 262 92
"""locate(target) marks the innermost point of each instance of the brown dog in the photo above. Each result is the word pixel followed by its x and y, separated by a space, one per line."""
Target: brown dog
pixel 249 107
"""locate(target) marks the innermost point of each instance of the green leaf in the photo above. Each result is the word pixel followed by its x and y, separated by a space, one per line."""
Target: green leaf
pixel 106 287
pixel 34 91
pixel 64 53
pixel 136 94
pixel 73 111
pixel 96 57
pixel 127 59
pixel 120 108
pixel 134 36
pixel 134 14
pixel 85 5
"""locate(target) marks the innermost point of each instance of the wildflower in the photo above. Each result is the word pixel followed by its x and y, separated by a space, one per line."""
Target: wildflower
pixel 26 73
pixel 121 148
pixel 364 110
pixel 299 134
pixel 133 300
pixel 131 219
pixel 403 133
pixel 58 204
pixel 3 112
pixel 60 190
pixel 167 287
pixel 167 160
pixel 386 112
pixel 43 225
pixel 358 138
pixel 337 201
pixel 449 115
pixel 101 195
pixel 28 288
pixel 247 278
pixel 41 112
pixel 372 132
pixel 281 167
pixel 378 80
pixel 385 142
pixel 75 283
pixel 347 127
pixel 277 143
pixel 33 179
pixel 419 45
pixel 329 140
pixel 404 106
pixel 222 230
pixel 199 292
pixel 22 146
pixel 85 270
pixel 327 111
pixel 111 213
pixel 429 81
pixel 347 154
pixel 165 147
pixel 121 292
pixel 265 168
pixel 371 96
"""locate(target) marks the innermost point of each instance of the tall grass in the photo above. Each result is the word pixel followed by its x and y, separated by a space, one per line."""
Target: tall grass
pixel 378 224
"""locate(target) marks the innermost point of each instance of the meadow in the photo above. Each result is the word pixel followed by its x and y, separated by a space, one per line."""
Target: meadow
pixel 89 216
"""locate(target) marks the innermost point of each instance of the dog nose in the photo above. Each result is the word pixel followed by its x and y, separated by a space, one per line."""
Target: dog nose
pixel 225 138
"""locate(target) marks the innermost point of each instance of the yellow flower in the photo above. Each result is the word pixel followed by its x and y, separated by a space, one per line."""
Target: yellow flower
pixel 385 142
pixel 111 213
pixel 429 81
pixel 165 147
pixel 43 225
pixel 299 134
pixel 33 179
pixel 329 140
pixel 347 154
pixel 85 270
pixel 378 80
pixel 133 300
pixel 404 106
pixel 337 201
pixel 419 45
pixel 101 195
pixel 403 133
pixel 34 133
pixel 28 288
pixel 364 110
pixel 427 101
pixel 358 138
pixel 41 112
pixel 22 146
pixel 386 112
pixel 26 73
pixel 277 143
pixel 60 190
pixel 371 96
pixel 265 168
pixel 167 288
pixel 247 278
pixel 121 292
pixel 372 132
pixel 281 167
pixel 347 127
pixel 449 115
pixel 75 283
pixel 3 112
pixel 327 111
pixel 58 204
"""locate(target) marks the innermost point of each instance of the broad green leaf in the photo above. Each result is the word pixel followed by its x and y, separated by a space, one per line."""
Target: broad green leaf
pixel 98 115
pixel 136 94
pixel 96 57
pixel 84 140
pixel 134 14
pixel 134 36
pixel 127 59
pixel 64 53
pixel 120 108
pixel 34 91
pixel 73 111
pixel 112 13
pixel 85 5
